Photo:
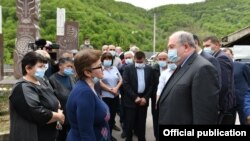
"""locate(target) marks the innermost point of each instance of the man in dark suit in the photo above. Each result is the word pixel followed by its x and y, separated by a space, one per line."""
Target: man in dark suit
pixel 207 56
pixel 137 85
pixel 241 84
pixel 191 94
pixel 227 99
pixel 128 59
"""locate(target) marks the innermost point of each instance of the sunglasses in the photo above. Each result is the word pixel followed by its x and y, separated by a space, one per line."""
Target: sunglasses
pixel 99 67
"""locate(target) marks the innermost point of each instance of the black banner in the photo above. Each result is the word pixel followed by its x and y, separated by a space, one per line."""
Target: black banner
pixel 199 132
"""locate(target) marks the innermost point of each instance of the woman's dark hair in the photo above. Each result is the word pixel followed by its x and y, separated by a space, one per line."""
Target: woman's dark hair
pixel 65 60
pixel 84 59
pixel 107 55
pixel 31 59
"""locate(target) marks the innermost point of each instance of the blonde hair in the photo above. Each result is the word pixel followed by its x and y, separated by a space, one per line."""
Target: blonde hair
pixel 44 53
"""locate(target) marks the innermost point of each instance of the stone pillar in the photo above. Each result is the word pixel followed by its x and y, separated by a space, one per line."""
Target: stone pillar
pixel 70 38
pixel 1 47
pixel 60 22
pixel 27 12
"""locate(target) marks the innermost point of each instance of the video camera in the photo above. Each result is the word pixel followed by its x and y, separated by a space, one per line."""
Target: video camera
pixel 42 43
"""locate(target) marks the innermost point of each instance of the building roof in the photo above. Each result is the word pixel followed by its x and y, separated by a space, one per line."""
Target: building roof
pixel 240 37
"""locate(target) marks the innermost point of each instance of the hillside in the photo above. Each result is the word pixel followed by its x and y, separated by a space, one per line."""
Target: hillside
pixel 110 22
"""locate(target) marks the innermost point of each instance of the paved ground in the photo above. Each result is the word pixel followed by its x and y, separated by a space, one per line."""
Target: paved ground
pixel 149 128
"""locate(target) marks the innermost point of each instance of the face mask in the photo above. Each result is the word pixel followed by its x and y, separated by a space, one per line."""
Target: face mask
pixel 68 71
pixel 95 80
pixel 172 66
pixel 39 73
pixel 86 42
pixel 107 63
pixel 112 52
pixel 172 55
pixel 162 63
pixel 208 50
pixel 117 54
pixel 128 61
pixel 139 65
pixel 46 66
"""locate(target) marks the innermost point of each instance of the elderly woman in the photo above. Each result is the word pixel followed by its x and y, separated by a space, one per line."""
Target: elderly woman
pixel 63 81
pixel 88 115
pixel 34 109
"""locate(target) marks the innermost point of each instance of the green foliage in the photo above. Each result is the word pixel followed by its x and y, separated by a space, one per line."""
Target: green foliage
pixel 122 24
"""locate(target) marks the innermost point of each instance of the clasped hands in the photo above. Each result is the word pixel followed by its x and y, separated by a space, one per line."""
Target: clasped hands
pixel 141 101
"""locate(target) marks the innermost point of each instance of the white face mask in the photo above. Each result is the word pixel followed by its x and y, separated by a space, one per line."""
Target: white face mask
pixel 139 65
pixel 112 52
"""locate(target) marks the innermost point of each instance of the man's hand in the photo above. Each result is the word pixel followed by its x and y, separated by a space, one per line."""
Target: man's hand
pixel 143 101
pixel 248 120
pixel 114 91
pixel 138 100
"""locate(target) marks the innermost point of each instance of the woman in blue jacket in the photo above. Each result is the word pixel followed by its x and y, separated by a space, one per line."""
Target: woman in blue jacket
pixel 88 115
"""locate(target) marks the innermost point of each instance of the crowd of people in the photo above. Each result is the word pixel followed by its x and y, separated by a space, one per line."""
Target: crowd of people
pixel 80 97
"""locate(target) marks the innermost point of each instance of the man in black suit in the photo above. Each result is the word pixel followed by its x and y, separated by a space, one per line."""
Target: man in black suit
pixel 207 56
pixel 227 99
pixel 137 85
pixel 241 84
pixel 191 94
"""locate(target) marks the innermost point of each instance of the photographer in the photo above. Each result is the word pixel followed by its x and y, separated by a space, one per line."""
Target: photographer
pixel 42 44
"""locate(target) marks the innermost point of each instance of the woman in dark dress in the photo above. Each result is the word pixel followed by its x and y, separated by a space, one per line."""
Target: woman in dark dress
pixel 88 115
pixel 34 109
pixel 63 82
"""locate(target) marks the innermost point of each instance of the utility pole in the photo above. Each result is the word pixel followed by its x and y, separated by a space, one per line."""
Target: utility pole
pixel 1 46
pixel 154 34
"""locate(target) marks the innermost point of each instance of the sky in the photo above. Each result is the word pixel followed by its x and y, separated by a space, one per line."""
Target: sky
pixel 149 4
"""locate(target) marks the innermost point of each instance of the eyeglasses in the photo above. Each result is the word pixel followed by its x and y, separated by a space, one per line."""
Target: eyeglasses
pixel 99 67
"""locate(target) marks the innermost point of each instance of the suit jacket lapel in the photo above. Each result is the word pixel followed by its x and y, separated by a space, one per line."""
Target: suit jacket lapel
pixel 134 77
pixel 170 84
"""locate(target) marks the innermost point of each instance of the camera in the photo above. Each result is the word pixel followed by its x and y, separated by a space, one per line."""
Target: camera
pixel 42 43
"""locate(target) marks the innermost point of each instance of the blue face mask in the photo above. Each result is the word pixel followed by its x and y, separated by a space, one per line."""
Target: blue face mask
pixel 172 55
pixel 172 66
pixel 68 71
pixel 95 80
pixel 39 73
pixel 128 61
pixel 107 63
pixel 208 50
pixel 162 63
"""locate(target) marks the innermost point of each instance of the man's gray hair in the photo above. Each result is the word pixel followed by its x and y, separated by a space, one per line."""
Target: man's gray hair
pixel 129 52
pixel 185 37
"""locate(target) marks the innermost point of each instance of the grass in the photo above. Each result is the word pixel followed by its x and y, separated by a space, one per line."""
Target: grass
pixel 4 113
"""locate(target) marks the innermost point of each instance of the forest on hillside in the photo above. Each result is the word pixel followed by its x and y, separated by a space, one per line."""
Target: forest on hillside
pixel 122 24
